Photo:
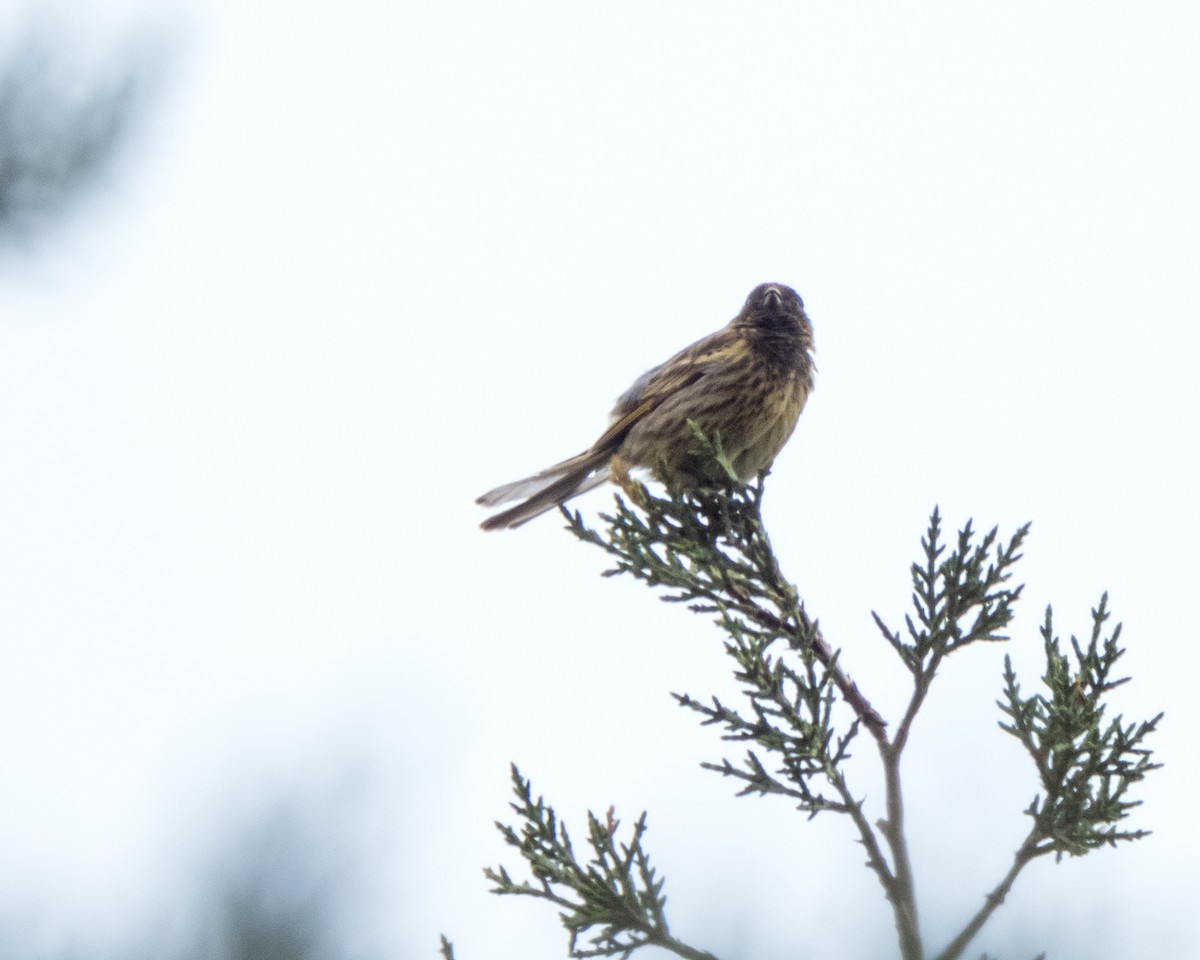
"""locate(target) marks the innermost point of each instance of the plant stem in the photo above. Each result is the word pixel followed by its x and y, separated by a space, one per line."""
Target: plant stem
pixel 903 898
pixel 680 949
pixel 870 717
pixel 1027 852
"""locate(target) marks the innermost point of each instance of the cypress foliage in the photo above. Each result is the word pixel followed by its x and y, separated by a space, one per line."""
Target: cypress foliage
pixel 800 712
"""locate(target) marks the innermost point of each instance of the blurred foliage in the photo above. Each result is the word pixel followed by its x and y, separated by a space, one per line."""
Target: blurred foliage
pixel 64 118
pixel 288 880
pixel 279 892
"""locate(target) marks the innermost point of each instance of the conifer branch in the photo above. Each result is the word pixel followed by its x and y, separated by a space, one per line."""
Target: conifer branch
pixel 1086 766
pixel 800 712
pixel 612 904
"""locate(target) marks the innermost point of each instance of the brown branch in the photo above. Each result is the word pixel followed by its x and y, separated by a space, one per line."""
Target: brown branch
pixel 870 717
pixel 858 702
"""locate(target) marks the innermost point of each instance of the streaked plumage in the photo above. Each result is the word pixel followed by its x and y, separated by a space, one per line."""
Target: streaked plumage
pixel 748 381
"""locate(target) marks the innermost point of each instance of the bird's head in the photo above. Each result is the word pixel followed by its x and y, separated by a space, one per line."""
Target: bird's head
pixel 774 306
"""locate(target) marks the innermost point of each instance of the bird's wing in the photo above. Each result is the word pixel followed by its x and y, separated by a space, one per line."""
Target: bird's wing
pixel 681 373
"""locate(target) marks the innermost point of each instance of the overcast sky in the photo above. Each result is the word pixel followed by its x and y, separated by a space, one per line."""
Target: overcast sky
pixel 365 261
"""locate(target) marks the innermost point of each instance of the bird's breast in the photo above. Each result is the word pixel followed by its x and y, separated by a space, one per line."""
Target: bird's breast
pixel 754 449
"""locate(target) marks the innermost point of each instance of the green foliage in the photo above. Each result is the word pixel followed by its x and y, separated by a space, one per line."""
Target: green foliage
pixel 947 592
pixel 1085 765
pixel 614 899
pixel 799 712
pixel 709 548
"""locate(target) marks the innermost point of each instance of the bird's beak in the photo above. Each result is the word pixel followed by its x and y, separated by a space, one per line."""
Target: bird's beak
pixel 773 296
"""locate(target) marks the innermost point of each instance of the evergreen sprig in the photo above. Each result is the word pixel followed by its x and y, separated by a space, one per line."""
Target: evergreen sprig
pixel 613 901
pixel 1086 766
pixel 946 593
pixel 708 547
pixel 959 600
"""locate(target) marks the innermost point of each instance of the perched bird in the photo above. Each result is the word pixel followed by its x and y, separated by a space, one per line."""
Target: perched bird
pixel 748 382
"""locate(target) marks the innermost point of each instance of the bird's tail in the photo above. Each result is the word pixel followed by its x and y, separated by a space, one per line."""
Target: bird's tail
pixel 546 490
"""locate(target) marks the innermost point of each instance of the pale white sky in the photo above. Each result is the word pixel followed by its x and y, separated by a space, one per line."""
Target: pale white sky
pixel 369 261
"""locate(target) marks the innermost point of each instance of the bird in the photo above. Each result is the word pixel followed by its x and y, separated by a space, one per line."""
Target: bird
pixel 747 382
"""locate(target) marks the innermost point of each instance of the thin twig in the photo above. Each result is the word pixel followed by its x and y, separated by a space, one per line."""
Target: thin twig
pixel 1027 852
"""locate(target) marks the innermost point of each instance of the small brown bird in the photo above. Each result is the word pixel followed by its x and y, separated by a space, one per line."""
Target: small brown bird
pixel 747 382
